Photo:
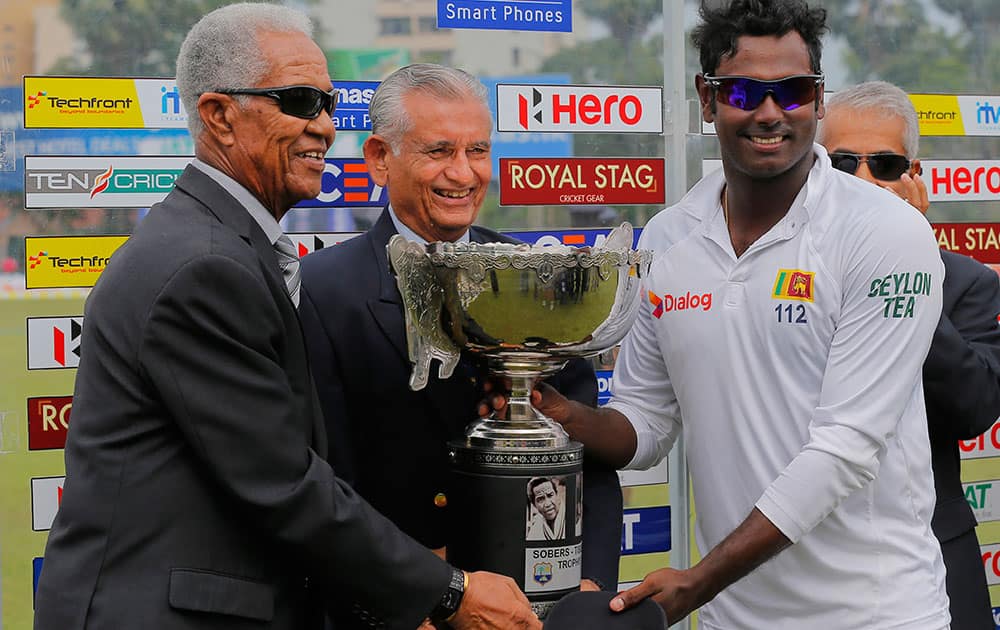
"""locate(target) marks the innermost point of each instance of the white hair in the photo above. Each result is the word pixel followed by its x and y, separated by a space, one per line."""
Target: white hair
pixel 882 100
pixel 221 51
pixel 388 113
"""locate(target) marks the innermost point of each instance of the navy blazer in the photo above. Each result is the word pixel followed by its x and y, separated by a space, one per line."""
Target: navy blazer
pixel 197 494
pixel 390 442
pixel 962 392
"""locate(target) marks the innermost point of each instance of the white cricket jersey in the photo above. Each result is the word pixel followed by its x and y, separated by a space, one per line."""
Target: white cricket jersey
pixel 795 371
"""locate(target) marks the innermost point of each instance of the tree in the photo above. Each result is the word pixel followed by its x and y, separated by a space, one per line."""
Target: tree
pixel 130 37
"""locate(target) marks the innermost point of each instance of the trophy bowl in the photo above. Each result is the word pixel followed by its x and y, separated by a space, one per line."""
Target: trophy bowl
pixel 525 310
pixel 515 494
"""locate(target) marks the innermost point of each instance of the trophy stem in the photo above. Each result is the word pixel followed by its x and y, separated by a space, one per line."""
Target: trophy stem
pixel 521 426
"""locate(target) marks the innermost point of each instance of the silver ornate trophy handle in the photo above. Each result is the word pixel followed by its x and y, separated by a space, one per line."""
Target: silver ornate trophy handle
pixel 423 302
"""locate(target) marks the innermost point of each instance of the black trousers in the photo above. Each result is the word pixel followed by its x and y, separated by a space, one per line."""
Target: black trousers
pixel 966 583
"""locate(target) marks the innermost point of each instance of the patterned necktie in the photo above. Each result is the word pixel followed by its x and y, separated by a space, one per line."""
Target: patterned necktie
pixel 288 260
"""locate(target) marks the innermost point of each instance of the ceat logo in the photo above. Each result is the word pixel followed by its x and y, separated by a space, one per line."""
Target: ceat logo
pixel 102 182
pixel 36 99
pixel 34 261
pixel 346 183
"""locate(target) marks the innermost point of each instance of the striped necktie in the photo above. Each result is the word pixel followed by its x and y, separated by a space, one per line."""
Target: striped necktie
pixel 288 260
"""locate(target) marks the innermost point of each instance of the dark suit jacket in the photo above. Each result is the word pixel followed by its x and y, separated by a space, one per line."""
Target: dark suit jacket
pixel 389 441
pixel 962 389
pixel 197 491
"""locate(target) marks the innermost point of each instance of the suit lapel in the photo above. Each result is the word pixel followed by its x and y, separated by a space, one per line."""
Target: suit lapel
pixel 219 203
pixel 387 307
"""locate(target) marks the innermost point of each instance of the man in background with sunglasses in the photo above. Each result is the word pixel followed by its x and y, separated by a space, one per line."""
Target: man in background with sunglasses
pixel 872 130
pixel 797 382
pixel 197 492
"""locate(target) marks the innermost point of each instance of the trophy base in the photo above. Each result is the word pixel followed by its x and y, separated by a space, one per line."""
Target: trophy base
pixel 517 512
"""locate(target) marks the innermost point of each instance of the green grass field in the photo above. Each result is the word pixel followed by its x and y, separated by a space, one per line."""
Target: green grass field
pixel 18 543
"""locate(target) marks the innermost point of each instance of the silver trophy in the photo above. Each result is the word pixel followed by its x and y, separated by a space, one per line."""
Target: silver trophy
pixel 523 310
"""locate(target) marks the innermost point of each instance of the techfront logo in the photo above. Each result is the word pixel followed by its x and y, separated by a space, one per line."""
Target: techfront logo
pixel 35 99
pixel 65 262
pixel 579 108
pixel 34 261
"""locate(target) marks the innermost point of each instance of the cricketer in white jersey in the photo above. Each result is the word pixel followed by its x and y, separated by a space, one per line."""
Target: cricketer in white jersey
pixel 795 371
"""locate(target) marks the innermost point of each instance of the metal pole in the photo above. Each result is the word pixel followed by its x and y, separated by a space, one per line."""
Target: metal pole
pixel 675 145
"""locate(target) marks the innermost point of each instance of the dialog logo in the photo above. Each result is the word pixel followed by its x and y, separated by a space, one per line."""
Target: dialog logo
pixel 46 495
pixel 793 284
pixel 575 181
pixel 48 421
pixel 579 108
pixel 669 302
pixel 54 342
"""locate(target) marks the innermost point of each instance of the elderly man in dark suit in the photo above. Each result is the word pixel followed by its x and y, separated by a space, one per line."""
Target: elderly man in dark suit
pixel 197 491
pixel 430 145
pixel 872 130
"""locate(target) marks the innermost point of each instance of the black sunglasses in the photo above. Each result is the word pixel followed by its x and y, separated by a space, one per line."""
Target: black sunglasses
pixel 885 166
pixel 747 94
pixel 302 101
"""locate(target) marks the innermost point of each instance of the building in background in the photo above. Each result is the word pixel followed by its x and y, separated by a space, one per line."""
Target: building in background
pixel 411 26
pixel 32 37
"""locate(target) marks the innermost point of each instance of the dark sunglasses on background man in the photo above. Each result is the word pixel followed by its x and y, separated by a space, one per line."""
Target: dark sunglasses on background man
pixel 301 101
pixel 884 166
pixel 747 94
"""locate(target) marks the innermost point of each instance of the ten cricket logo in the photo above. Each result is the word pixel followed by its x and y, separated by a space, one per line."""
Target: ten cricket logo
pixel 111 186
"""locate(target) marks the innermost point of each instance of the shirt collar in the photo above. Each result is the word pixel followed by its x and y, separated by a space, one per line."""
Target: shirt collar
pixel 410 235
pixel 260 214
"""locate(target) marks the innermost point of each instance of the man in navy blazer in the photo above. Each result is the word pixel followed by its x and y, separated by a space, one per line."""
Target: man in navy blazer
pixel 431 147
pixel 872 130
pixel 197 492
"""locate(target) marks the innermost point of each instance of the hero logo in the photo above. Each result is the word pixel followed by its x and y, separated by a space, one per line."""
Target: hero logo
pixel 684 302
pixel 46 496
pixel 54 342
pixel 579 108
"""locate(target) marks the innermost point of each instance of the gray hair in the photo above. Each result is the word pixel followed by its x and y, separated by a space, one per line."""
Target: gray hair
pixel 390 118
pixel 882 100
pixel 221 51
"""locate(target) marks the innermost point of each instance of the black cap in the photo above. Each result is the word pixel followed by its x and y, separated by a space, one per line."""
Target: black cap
pixel 588 610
